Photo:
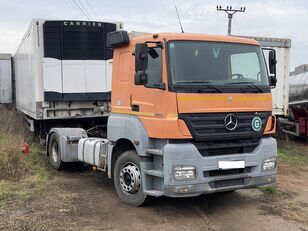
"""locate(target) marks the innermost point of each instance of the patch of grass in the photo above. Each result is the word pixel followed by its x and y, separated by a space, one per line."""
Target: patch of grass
pixel 293 153
pixel 275 192
pixel 13 132
pixel 270 190
pixel 291 158
pixel 12 162
pixel 13 122
pixel 32 185
pixel 21 177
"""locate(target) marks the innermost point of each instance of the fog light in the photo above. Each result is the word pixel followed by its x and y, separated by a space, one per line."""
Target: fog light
pixel 184 173
pixel 269 164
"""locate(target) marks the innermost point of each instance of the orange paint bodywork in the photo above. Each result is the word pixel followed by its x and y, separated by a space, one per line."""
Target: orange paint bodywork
pixel 198 103
pixel 158 109
pixel 270 127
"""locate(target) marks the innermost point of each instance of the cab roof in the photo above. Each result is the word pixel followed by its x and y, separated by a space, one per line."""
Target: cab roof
pixel 194 37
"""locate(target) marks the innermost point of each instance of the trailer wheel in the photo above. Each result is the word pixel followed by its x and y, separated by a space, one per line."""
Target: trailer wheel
pixel 127 179
pixel 54 151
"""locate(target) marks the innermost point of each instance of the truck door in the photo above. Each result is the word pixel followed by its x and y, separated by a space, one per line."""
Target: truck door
pixel 148 101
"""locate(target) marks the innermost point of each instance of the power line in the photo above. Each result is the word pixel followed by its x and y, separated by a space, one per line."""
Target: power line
pixel 80 9
pixel 217 19
pixel 81 13
pixel 77 10
pixel 241 23
pixel 93 10
pixel 230 13
pixel 84 9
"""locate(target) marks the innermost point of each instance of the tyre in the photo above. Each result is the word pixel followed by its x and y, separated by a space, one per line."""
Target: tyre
pixel 54 151
pixel 127 179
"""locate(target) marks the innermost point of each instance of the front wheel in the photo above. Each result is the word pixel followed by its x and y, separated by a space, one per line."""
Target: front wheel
pixel 127 179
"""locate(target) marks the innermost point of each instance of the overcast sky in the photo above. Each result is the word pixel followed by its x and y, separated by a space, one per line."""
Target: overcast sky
pixel 283 19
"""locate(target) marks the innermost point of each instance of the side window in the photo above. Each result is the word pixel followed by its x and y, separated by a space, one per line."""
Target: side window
pixel 245 65
pixel 154 70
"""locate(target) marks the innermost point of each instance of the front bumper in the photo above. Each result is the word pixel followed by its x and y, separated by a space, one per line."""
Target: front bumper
pixel 187 154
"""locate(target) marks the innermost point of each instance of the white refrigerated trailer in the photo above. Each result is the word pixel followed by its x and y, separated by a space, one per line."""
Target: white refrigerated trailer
pixel 63 73
pixel 6 90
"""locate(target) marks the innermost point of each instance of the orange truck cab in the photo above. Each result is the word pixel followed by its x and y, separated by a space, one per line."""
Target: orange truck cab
pixel 190 115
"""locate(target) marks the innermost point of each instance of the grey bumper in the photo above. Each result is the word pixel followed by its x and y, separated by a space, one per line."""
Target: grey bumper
pixel 188 155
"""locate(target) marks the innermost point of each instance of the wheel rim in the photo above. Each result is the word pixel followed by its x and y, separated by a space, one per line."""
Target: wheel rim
pixel 54 152
pixel 130 178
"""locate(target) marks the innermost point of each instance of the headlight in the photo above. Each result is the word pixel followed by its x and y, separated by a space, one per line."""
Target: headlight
pixel 269 164
pixel 184 173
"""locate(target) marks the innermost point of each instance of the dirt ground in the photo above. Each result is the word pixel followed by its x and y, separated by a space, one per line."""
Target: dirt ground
pixel 86 200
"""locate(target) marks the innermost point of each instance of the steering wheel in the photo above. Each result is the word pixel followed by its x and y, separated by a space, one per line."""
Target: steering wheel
pixel 237 75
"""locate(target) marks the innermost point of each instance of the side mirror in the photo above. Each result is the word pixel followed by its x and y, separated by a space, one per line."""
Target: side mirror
pixel 273 81
pixel 272 62
pixel 141 78
pixel 141 57
pixel 272 68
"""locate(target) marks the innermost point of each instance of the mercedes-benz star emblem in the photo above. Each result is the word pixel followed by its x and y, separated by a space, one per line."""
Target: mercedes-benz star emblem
pixel 230 122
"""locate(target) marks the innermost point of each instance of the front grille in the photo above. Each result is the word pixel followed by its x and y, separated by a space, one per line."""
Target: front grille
pixel 228 172
pixel 211 126
pixel 226 147
pixel 227 183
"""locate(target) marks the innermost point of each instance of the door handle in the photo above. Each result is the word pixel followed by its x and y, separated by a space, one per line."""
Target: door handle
pixel 135 107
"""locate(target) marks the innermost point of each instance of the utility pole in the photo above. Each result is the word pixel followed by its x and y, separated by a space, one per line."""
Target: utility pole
pixel 230 13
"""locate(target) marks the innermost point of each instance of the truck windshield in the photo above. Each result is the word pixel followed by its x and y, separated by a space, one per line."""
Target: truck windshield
pixel 217 67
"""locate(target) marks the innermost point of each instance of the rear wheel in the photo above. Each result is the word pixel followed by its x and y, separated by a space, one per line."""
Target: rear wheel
pixel 127 179
pixel 54 151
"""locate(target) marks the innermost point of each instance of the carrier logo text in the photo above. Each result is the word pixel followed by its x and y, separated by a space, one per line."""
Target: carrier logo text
pixel 82 23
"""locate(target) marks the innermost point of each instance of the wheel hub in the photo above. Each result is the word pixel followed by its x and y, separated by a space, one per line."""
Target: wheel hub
pixel 130 178
pixel 54 152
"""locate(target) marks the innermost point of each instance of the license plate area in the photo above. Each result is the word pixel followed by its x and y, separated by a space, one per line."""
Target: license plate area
pixel 231 164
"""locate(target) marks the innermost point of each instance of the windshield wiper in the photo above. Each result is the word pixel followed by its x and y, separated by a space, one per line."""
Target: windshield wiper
pixel 249 83
pixel 204 83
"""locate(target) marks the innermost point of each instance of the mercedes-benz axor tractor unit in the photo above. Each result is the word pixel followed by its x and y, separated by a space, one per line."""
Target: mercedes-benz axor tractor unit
pixel 190 114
